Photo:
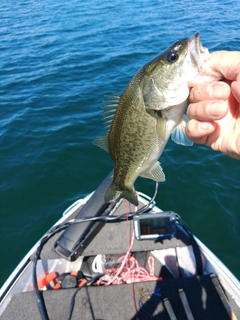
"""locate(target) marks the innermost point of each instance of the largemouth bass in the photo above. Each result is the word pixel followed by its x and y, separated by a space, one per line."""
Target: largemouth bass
pixel 141 120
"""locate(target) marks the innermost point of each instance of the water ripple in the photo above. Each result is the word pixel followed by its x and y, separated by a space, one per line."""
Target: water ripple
pixel 57 61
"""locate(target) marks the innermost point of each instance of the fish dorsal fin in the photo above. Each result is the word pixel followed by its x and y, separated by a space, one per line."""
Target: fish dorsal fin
pixel 102 142
pixel 109 109
pixel 179 136
pixel 155 173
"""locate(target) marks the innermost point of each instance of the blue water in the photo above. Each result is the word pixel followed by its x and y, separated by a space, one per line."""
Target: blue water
pixel 57 61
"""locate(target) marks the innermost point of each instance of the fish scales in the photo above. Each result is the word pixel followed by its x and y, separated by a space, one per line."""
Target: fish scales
pixel 132 148
pixel 148 112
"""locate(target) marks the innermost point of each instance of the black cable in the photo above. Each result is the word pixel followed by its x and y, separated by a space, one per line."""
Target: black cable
pixel 195 246
pixel 122 217
pixel 39 294
pixel 72 303
pixel 183 224
pixel 177 263
pixel 107 219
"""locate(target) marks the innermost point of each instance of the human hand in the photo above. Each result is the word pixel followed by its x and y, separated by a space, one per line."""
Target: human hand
pixel 214 112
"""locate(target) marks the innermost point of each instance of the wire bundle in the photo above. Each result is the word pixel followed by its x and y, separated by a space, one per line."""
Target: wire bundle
pixel 130 271
pixel 59 227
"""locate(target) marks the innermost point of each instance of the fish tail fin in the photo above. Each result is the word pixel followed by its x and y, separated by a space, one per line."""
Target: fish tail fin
pixel 114 194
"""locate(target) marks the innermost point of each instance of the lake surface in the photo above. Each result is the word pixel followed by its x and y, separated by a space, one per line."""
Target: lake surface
pixel 57 61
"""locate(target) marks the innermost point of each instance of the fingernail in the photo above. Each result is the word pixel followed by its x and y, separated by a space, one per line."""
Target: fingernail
pixel 216 90
pixel 213 109
pixel 206 126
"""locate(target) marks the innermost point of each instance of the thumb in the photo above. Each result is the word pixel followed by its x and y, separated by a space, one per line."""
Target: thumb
pixel 225 62
pixel 235 86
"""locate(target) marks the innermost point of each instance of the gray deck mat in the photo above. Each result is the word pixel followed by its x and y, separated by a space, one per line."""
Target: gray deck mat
pixel 116 237
pixel 116 302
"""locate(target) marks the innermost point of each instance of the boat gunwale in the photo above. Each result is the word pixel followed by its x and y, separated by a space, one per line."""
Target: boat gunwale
pixel 226 276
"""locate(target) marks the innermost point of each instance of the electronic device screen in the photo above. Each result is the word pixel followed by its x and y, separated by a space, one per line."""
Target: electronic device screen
pixel 154 225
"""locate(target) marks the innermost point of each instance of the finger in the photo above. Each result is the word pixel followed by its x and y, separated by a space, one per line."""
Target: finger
pixel 210 91
pixel 235 86
pixel 207 110
pixel 225 62
pixel 198 131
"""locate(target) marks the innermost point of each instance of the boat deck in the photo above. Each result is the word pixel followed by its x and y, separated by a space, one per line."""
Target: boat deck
pixel 108 302
pixel 130 301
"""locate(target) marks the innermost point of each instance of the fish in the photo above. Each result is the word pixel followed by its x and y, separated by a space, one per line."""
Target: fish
pixel 151 109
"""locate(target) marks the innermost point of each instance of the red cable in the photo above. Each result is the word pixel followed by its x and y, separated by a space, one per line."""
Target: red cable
pixel 134 302
pixel 130 271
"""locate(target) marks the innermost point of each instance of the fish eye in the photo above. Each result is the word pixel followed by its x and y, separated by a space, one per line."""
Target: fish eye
pixel 172 56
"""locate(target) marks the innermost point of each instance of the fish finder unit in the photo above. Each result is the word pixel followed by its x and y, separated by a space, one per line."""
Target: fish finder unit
pixel 149 226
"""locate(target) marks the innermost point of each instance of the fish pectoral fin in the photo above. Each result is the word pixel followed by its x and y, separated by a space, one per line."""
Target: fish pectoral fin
pixel 155 173
pixel 102 142
pixel 179 136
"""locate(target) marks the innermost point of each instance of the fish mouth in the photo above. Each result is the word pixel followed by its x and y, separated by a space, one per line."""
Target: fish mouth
pixel 197 48
pixel 199 56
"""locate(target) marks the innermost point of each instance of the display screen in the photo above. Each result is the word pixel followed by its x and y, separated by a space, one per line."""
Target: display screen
pixel 154 226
